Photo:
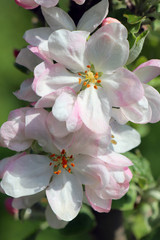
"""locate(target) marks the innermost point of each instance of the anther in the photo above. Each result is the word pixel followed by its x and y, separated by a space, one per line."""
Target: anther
pixel 88 85
pixel 84 84
pixel 50 163
pixel 79 74
pixel 53 155
pixel 98 81
pixel 95 87
pixel 57 172
pixel 85 71
pixel 113 141
pixel 69 170
pixel 80 80
pixel 72 164
pixel 88 66
pixel 63 151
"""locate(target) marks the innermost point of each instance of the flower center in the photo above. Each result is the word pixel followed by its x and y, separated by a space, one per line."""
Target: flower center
pixel 61 161
pixel 90 77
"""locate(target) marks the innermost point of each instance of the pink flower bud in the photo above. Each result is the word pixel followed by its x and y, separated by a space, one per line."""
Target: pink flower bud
pixel 109 20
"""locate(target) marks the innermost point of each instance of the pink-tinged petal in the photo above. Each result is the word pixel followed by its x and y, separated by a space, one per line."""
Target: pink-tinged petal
pixel 58 19
pixel 12 132
pixel 49 78
pixel 27 175
pixel 40 54
pixel 36 129
pixel 116 160
pixel 148 70
pixel 94 109
pixel 38 37
pixel 91 171
pixel 25 92
pixel 27 59
pixel 139 112
pixel 124 138
pixel 65 195
pixel 4 163
pixel 153 98
pixel 52 219
pixel 108 48
pixel 74 122
pixel 68 48
pixel 97 203
pixel 94 144
pixel 56 128
pixel 119 116
pixel 92 18
pixel 47 3
pixel 27 201
pixel 109 20
pixel 27 4
pixel 63 106
pixel 122 87
pixel 49 99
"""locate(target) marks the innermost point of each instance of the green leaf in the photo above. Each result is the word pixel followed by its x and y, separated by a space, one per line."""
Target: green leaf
pixel 133 19
pixel 153 236
pixel 137 47
pixel 141 171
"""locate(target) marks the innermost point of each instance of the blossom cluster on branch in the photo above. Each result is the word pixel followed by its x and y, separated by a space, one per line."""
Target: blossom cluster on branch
pixel 70 139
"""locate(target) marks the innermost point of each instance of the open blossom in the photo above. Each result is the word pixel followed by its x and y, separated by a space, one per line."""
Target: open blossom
pixel 59 19
pixel 146 109
pixel 96 82
pixel 61 172
pixel 30 4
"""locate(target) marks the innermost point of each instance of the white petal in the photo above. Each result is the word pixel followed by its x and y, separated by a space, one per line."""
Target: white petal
pixel 26 92
pixel 38 37
pixel 94 109
pixel 92 18
pixel 153 98
pixel 49 78
pixel 27 201
pixel 52 219
pixel 97 203
pixel 139 112
pixel 125 136
pixel 58 19
pixel 68 48
pixel 108 48
pixel 36 129
pixel 27 175
pixel 65 196
pixel 27 59
pixel 148 70
pixel 63 106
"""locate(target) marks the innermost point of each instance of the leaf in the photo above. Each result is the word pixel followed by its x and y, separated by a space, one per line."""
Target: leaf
pixel 137 47
pixel 133 19
pixel 141 170
pixel 153 236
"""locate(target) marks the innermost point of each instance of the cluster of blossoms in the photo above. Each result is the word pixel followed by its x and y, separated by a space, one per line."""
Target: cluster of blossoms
pixel 70 139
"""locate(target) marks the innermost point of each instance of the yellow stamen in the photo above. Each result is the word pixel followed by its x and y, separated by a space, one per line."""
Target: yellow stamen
pixel 113 142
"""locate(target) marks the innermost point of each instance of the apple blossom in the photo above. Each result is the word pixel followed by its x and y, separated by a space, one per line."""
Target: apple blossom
pixel 96 75
pixel 61 173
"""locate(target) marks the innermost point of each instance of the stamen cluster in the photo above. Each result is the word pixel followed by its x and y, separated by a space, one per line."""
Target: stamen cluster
pixel 61 161
pixel 90 77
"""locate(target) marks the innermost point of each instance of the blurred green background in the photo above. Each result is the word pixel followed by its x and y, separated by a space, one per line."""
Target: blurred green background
pixel 14 22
